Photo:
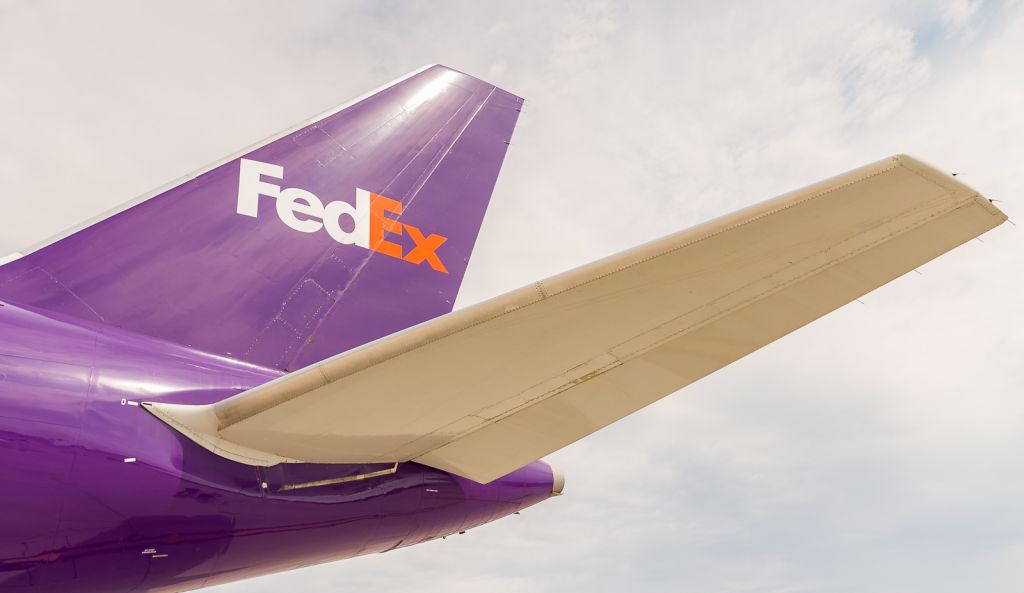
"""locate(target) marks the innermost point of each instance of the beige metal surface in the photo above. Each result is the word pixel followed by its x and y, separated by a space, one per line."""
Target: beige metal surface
pixel 488 389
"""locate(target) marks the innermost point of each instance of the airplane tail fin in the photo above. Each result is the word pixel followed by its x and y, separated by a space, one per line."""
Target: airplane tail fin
pixel 349 227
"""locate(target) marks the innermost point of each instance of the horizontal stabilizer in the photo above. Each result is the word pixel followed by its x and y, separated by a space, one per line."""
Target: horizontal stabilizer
pixel 490 388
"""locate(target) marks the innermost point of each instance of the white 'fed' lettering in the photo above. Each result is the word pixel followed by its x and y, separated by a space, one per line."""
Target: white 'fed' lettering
pixel 302 210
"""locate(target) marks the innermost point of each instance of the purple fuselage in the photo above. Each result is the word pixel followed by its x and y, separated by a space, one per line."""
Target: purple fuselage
pixel 100 496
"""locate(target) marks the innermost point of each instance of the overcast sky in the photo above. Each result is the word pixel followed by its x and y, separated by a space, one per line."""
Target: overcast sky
pixel 880 449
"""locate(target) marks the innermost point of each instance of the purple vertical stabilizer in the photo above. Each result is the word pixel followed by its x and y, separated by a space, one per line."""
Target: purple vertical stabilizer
pixel 355 225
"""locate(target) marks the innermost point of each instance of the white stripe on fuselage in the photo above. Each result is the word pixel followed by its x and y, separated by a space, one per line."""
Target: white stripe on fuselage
pixel 9 258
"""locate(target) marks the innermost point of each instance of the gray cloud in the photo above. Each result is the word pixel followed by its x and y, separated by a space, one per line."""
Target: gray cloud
pixel 875 450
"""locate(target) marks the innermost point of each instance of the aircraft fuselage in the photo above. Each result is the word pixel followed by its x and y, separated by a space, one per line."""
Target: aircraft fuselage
pixel 100 496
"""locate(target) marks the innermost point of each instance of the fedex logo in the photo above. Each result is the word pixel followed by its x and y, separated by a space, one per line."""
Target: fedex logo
pixel 367 220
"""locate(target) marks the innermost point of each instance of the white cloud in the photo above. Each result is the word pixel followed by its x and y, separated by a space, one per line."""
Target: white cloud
pixel 957 14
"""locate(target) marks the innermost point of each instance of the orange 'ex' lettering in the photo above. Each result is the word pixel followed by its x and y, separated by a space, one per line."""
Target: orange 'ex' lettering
pixel 425 249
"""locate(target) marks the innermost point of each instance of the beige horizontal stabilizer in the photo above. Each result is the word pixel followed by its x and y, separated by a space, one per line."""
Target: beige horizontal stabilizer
pixel 487 389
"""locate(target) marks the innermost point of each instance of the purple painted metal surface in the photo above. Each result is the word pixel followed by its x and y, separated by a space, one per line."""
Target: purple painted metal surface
pixel 77 518
pixel 185 267
pixel 189 298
